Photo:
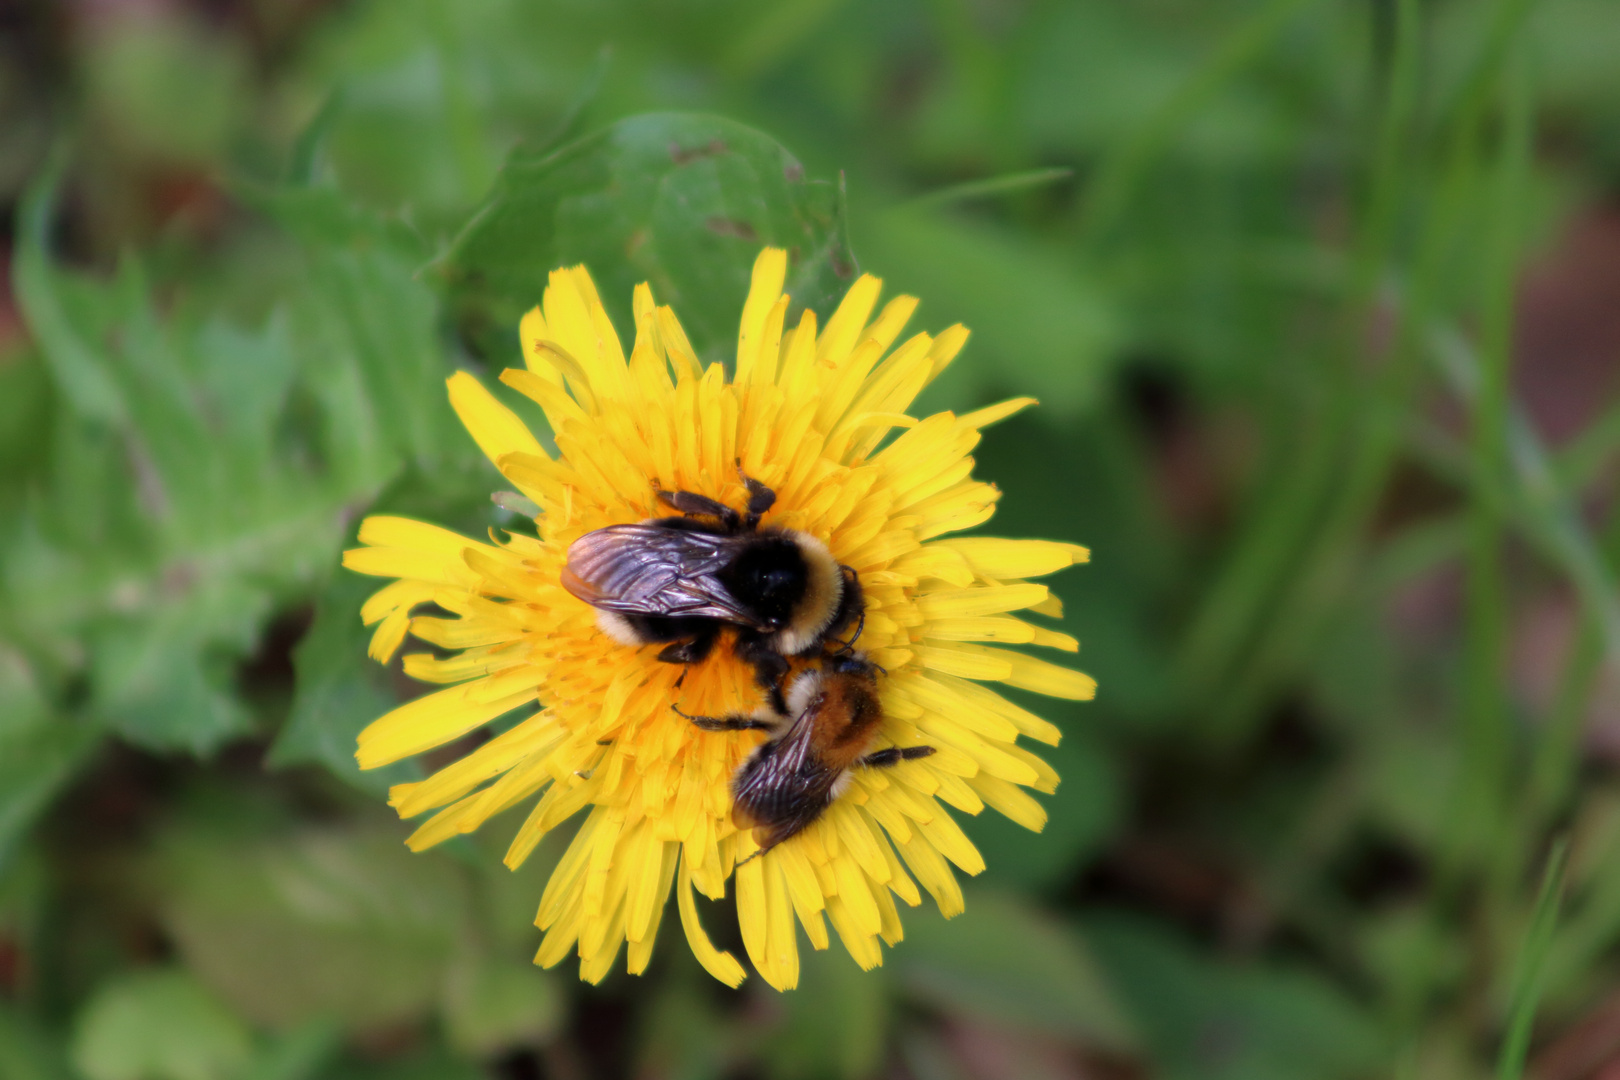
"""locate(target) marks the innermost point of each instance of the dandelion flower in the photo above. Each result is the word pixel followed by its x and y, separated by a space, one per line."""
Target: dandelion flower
pixel 818 414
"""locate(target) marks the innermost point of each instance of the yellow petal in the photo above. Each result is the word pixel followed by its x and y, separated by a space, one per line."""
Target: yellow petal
pixel 722 965
pixel 844 328
pixel 534 332
pixel 994 414
pixel 383 530
pixel 1010 800
pixel 765 289
pixel 1003 559
pixel 682 358
pixel 946 346
pixel 781 937
pixel 429 721
pixel 962 660
pixel 495 428
pixel 984 600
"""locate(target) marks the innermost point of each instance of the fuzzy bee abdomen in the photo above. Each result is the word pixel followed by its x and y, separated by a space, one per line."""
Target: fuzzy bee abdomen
pixel 855 704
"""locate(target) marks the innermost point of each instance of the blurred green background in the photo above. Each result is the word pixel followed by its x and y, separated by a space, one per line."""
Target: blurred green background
pixel 1322 302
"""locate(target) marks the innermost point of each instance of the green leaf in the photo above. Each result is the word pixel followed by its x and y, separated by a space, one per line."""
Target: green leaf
pixel 1005 961
pixel 39 752
pixel 201 471
pixel 81 374
pixel 324 218
pixel 300 1054
pixel 1529 966
pixel 26 405
pixel 339 923
pixel 158 1025
pixel 683 202
pixel 165 681
pixel 340 691
pixel 33 769
pixel 369 326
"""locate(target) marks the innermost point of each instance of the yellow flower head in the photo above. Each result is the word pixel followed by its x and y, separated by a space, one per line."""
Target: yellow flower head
pixel 810 415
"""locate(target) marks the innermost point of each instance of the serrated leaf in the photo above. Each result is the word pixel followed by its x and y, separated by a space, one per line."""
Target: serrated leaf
pixel 340 691
pixel 80 372
pixel 201 471
pixel 681 201
pixel 323 217
pixel 33 768
pixel 38 750
pixel 165 681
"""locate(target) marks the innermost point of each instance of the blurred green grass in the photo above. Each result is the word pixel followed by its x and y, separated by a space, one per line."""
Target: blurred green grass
pixel 1320 300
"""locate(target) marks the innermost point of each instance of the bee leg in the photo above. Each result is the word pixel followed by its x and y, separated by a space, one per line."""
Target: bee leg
pixel 688 502
pixel 692 651
pixel 894 755
pixel 724 723
pixel 845 648
pixel 760 499
pixel 851 608
pixel 770 668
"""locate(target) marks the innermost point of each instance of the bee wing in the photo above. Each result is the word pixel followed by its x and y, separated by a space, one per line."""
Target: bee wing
pixel 785 786
pixel 652 569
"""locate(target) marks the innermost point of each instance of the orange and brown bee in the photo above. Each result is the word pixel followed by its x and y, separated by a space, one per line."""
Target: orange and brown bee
pixel 832 721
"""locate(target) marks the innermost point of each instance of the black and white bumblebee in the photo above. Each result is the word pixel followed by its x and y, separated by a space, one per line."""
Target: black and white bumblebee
pixel 681 579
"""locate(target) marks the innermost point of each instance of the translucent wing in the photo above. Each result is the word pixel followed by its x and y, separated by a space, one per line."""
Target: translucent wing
pixel 652 569
pixel 785 786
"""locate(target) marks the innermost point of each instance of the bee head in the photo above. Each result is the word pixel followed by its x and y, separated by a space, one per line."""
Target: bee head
pixel 852 663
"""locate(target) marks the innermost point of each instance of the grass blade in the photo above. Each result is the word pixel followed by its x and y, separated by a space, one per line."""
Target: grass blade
pixel 1527 972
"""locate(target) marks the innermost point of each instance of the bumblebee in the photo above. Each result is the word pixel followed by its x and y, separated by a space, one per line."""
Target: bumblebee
pixel 833 717
pixel 682 579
